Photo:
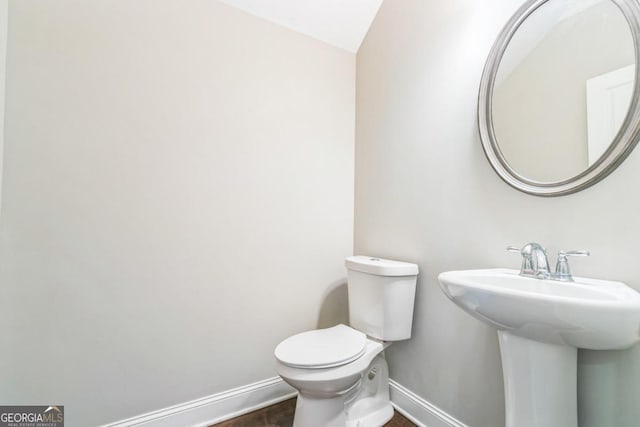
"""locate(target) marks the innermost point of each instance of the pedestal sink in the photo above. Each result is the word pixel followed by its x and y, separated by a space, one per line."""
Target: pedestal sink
pixel 541 324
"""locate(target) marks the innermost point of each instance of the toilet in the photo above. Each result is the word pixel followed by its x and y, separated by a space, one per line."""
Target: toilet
pixel 341 373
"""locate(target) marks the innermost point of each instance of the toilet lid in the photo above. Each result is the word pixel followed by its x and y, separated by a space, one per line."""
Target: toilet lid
pixel 322 348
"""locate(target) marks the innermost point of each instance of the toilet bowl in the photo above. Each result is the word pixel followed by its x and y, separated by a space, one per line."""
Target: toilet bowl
pixel 334 390
pixel 341 373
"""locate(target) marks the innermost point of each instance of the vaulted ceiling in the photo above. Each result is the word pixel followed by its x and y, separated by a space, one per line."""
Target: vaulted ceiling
pixel 341 23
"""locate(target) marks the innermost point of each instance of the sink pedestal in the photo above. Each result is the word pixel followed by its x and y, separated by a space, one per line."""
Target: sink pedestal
pixel 540 379
pixel 540 382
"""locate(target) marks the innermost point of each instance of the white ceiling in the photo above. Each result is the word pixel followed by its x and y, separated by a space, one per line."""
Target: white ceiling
pixel 341 23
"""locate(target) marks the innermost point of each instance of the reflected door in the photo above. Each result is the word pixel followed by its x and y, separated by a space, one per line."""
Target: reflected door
pixel 608 98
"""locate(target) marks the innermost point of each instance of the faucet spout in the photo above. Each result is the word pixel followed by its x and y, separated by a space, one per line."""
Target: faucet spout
pixel 534 261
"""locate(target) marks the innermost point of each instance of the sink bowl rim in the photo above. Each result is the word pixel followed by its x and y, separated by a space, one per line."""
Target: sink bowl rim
pixel 618 294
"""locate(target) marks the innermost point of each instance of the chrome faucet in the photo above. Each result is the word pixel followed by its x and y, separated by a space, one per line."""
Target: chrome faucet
pixel 534 261
pixel 536 264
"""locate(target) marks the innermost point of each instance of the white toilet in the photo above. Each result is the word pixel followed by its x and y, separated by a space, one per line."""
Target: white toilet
pixel 340 373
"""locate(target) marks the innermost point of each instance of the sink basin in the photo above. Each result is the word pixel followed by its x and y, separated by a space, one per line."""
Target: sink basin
pixel 588 313
pixel 541 324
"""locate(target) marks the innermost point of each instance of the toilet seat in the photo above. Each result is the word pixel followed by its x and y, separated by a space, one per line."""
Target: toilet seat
pixel 322 348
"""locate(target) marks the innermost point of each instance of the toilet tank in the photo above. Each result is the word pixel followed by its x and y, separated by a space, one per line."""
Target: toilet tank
pixel 381 296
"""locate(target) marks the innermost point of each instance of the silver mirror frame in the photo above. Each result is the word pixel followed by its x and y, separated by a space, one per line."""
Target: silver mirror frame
pixel 618 150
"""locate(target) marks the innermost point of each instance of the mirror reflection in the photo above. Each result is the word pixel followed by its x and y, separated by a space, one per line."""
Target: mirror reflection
pixel 563 88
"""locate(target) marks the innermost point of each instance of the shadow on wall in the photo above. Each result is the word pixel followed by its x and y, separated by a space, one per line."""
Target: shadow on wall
pixel 335 305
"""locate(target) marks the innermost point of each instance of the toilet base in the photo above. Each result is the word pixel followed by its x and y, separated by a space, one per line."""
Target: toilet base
pixel 319 412
pixel 365 404
pixel 376 417
pixel 371 406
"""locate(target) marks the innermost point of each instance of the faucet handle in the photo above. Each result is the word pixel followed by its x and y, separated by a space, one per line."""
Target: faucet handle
pixel 563 273
pixel 527 261
pixel 564 254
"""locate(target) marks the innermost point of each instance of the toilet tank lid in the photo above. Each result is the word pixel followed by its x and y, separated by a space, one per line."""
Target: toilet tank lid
pixel 380 267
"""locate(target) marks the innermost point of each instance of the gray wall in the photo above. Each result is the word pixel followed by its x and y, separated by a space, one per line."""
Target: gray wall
pixel 178 198
pixel 4 14
pixel 425 193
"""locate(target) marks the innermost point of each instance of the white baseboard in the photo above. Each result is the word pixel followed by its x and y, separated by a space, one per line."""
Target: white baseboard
pixel 215 408
pixel 418 410
pixel 238 401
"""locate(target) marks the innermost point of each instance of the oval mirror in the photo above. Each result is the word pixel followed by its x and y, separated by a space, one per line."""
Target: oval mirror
pixel 559 97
